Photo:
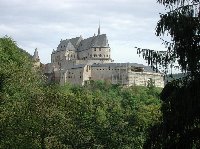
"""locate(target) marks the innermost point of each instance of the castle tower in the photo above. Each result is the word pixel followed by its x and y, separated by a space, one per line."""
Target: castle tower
pixel 36 56
pixel 36 59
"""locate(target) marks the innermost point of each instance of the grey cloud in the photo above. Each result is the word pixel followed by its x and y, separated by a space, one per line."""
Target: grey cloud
pixel 42 23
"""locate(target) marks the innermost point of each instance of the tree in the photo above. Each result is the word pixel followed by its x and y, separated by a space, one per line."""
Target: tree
pixel 37 115
pixel 109 116
pixel 181 99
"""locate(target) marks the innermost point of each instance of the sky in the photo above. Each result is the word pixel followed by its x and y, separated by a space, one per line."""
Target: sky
pixel 42 24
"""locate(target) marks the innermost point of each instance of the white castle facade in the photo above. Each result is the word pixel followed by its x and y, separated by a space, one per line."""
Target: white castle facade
pixel 79 61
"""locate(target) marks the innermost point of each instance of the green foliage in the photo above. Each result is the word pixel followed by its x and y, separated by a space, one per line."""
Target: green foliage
pixel 109 116
pixel 18 85
pixel 182 24
pixel 99 115
pixel 180 126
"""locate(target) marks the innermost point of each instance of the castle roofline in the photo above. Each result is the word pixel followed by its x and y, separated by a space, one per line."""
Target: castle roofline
pixel 117 65
pixel 95 41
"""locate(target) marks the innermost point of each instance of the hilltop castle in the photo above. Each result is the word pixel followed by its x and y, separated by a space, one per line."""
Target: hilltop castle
pixel 78 61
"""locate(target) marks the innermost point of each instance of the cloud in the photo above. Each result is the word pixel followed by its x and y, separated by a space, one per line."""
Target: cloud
pixel 42 23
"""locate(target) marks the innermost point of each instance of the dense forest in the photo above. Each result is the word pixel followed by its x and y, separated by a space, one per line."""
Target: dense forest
pixel 34 114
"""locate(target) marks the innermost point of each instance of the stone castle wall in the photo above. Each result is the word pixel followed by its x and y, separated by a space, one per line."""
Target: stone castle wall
pixel 76 61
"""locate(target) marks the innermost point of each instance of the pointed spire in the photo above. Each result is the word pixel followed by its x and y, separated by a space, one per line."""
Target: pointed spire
pixel 99 29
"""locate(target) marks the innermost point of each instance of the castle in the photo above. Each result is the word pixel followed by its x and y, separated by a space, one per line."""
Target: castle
pixel 79 61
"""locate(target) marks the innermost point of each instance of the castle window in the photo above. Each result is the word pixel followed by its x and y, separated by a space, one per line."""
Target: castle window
pixel 107 55
pixel 80 76
pixel 94 49
pixel 100 55
pixel 61 46
pixel 99 49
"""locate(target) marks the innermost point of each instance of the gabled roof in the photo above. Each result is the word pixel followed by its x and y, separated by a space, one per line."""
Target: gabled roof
pixel 95 41
pixel 76 41
pixel 63 44
pixel 70 46
pixel 100 41
pixel 81 44
pixel 66 45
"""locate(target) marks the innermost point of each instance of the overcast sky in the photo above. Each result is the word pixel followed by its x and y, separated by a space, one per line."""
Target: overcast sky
pixel 43 23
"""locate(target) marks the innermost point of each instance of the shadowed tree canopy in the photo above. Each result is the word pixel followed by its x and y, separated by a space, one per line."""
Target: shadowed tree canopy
pixel 181 98
pixel 182 24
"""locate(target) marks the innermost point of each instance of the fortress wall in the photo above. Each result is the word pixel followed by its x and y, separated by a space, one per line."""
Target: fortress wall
pixel 142 78
pixel 70 55
pixel 66 66
pixel 86 73
pixel 83 55
pixel 101 53
pixel 76 75
pixel 101 73
pixel 94 53
pixel 112 74
pixel 59 56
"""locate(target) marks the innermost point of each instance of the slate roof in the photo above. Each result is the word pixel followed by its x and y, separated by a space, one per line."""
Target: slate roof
pixel 81 44
pixel 74 41
pixel 62 44
pixel 95 41
pixel 78 66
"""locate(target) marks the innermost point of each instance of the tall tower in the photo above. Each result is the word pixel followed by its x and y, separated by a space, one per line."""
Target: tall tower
pixel 36 59
pixel 36 56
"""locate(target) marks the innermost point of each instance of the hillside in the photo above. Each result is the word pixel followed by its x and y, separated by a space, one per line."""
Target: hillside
pixel 99 115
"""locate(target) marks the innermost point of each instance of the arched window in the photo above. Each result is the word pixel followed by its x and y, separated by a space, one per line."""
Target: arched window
pixel 100 55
